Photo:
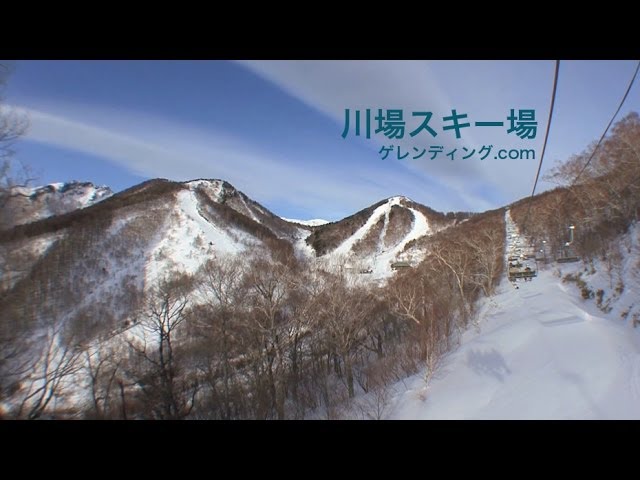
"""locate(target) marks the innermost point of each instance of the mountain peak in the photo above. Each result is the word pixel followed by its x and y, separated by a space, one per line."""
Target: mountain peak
pixel 28 204
pixel 214 188
pixel 74 186
pixel 316 222
pixel 396 200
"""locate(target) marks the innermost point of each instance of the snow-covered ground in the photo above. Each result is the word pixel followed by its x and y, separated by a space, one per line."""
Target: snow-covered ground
pixel 380 262
pixel 614 278
pixel 311 223
pixel 541 352
pixel 190 240
pixel 35 203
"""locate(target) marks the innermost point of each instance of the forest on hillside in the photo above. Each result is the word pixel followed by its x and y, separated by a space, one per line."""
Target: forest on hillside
pixel 267 334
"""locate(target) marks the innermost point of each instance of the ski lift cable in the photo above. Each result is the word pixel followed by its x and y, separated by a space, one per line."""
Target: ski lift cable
pixel 635 74
pixel 544 145
pixel 606 130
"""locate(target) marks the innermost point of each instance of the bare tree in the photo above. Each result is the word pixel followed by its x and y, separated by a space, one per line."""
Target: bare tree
pixel 16 361
pixel 345 314
pixel 169 389
pixel 487 250
pixel 102 366
pixel 600 194
pixel 270 285
pixel 57 361
pixel 13 125
pixel 422 299
pixel 215 325
pixel 375 404
pixel 457 259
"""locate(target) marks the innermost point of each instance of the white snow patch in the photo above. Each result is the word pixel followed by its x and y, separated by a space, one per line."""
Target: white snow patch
pixel 179 246
pixel 213 188
pixel 540 352
pixel 32 204
pixel 311 223
pixel 380 262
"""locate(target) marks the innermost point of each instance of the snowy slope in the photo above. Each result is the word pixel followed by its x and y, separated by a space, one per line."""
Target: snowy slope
pixel 310 223
pixel 31 204
pixel 223 193
pixel 517 245
pixel 380 261
pixel 190 239
pixel 540 352
pixel 91 273
pixel 614 281
pixel 115 251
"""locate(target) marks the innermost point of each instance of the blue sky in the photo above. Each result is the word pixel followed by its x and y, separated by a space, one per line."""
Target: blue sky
pixel 273 128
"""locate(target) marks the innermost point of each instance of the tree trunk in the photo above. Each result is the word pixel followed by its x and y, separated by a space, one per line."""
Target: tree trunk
pixel 349 374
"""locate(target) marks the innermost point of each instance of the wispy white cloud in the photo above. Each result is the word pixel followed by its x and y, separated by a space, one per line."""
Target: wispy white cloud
pixel 153 146
pixel 486 90
pixel 156 147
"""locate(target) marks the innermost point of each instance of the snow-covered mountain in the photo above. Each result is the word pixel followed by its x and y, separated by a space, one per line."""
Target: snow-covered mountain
pixel 392 312
pixel 27 205
pixel 115 249
pixel 542 352
pixel 91 266
pixel 373 239
pixel 561 359
pixel 223 193
pixel 316 222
